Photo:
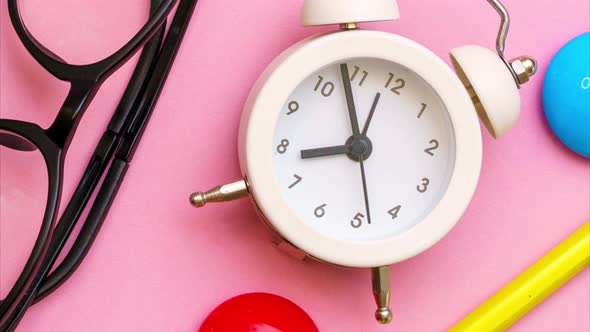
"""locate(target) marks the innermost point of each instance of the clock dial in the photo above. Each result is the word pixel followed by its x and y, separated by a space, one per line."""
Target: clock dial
pixel 364 149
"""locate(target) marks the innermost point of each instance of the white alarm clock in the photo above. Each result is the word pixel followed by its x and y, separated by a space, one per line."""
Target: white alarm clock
pixel 363 148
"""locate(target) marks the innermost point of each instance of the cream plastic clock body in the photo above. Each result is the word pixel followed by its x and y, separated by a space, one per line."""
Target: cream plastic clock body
pixel 424 142
pixel 267 101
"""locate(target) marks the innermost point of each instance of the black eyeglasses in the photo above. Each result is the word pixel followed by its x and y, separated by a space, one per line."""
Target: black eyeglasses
pixel 115 148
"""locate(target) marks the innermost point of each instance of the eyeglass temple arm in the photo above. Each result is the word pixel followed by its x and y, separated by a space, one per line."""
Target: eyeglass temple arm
pixel 125 151
pixel 88 233
pixel 100 160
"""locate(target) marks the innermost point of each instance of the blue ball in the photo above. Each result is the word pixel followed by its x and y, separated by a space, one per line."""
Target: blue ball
pixel 566 94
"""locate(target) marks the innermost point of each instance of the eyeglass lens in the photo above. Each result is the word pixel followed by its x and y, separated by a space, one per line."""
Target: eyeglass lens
pixel 83 32
pixel 24 188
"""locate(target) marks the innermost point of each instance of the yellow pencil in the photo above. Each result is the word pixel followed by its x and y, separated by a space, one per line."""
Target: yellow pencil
pixel 533 286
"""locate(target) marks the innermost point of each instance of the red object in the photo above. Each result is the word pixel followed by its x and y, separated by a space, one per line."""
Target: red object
pixel 258 312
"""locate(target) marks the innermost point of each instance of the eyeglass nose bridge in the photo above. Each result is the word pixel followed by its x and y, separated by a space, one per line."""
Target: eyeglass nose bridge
pixel 97 71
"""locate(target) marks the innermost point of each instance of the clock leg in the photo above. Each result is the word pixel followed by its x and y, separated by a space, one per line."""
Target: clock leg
pixel 382 292
pixel 223 193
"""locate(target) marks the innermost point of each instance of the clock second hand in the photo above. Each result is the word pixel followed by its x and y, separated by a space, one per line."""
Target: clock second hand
pixel 355 128
pixel 365 191
pixel 361 159
pixel 371 113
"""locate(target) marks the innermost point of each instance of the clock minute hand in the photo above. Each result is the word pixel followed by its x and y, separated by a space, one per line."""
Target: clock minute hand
pixel 350 100
pixel 324 152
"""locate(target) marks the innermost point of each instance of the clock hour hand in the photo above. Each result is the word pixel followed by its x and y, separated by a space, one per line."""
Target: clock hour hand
pixel 324 152
pixel 350 100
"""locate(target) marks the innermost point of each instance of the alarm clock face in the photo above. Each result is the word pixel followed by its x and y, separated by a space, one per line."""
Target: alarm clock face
pixel 373 183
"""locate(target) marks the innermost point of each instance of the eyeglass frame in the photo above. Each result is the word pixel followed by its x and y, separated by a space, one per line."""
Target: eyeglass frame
pixel 54 142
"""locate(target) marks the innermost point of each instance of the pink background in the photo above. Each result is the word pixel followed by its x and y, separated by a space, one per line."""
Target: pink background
pixel 160 265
